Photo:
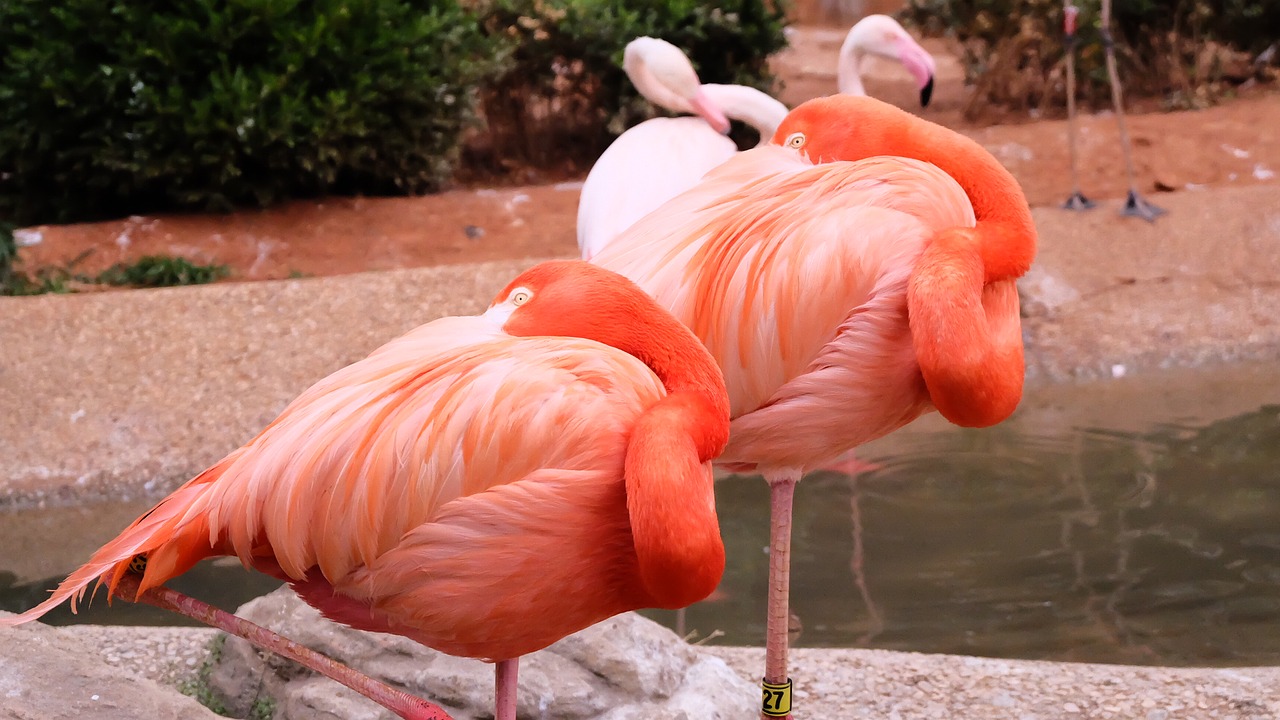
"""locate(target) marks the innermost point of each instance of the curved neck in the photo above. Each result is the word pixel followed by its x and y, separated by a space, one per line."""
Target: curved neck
pixel 686 370
pixel 967 335
pixel 1008 231
pixel 670 495
pixel 635 65
pixel 671 503
pixel 849 68
pixel 748 105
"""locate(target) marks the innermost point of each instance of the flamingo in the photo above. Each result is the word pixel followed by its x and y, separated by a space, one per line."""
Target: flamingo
pixel 842 300
pixel 483 485
pixel 1135 204
pixel 661 158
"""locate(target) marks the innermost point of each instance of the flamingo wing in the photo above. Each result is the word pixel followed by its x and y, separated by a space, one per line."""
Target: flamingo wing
pixel 794 277
pixel 452 410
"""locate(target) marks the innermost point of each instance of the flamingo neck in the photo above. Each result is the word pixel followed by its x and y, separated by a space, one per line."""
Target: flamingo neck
pixel 962 298
pixel 849 68
pixel 967 335
pixel 671 504
pixel 748 105
pixel 1008 231
pixel 650 87
pixel 670 496
pixel 667 465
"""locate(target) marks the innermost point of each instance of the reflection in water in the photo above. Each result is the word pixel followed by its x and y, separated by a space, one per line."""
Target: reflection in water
pixel 1151 546
pixel 1089 545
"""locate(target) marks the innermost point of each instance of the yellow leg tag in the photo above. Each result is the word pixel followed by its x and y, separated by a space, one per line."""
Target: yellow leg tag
pixel 776 699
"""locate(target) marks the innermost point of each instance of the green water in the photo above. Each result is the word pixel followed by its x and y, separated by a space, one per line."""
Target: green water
pixel 1132 522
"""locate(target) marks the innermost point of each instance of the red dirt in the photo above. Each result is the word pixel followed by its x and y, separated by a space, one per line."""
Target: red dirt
pixel 1234 143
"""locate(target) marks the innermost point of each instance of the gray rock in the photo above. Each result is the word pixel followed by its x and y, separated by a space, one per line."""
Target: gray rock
pixel 49 674
pixel 625 668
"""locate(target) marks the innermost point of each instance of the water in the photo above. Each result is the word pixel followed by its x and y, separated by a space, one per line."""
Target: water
pixel 1132 521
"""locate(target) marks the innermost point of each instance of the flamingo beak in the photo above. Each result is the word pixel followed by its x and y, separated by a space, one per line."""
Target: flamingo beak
pixel 710 112
pixel 920 64
pixel 499 313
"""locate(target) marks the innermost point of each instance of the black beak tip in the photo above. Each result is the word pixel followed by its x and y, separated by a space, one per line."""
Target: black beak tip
pixel 926 93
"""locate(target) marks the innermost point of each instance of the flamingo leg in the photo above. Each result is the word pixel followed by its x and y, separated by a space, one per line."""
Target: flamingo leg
pixel 1135 204
pixel 777 685
pixel 1077 201
pixel 504 685
pixel 397 701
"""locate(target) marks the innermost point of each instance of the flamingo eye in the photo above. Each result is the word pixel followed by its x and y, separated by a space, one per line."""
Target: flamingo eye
pixel 796 140
pixel 520 297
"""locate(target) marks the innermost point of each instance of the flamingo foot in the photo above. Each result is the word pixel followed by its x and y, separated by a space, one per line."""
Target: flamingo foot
pixel 777 685
pixel 1078 201
pixel 397 701
pixel 1137 206
pixel 504 695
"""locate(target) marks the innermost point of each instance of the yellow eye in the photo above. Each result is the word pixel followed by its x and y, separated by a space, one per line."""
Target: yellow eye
pixel 520 297
pixel 795 140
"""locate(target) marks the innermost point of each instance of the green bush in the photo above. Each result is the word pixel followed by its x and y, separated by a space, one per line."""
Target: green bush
pixel 8 256
pixel 112 107
pixel 152 271
pixel 1183 50
pixel 124 107
pixel 566 97
pixel 155 271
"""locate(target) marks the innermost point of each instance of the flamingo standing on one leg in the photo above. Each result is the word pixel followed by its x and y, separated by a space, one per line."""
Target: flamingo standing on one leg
pixel 661 158
pixel 475 485
pixel 1077 200
pixel 842 300
pixel 1134 204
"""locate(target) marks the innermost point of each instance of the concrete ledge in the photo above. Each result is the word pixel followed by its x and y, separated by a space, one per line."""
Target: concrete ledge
pixel 849 684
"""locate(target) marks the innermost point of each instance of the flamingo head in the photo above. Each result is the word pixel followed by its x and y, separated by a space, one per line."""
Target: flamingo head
pixel 845 127
pixel 882 35
pixel 574 298
pixel 664 75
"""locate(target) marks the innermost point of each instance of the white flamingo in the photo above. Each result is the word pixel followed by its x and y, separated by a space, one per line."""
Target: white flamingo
pixel 661 158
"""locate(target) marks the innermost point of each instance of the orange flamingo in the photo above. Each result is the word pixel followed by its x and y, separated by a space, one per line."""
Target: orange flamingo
pixel 475 485
pixel 842 300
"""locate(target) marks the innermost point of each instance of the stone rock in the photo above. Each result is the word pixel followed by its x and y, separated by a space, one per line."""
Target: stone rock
pixel 625 668
pixel 48 674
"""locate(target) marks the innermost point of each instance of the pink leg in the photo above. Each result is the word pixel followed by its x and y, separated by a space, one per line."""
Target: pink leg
pixel 397 701
pixel 504 696
pixel 782 490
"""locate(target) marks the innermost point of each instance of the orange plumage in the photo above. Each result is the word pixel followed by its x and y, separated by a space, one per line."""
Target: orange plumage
pixel 842 299
pixel 484 485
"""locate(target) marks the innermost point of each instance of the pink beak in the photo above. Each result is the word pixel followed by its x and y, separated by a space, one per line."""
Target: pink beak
pixel 710 112
pixel 920 64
